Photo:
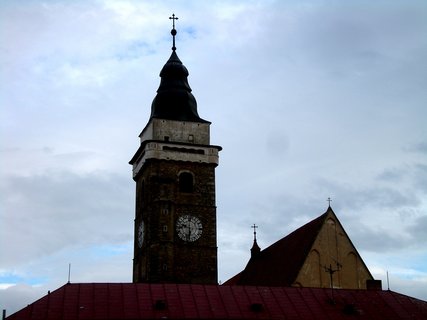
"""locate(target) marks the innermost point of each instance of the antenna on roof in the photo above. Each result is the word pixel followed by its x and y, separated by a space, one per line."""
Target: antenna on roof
pixel 69 272
pixel 388 282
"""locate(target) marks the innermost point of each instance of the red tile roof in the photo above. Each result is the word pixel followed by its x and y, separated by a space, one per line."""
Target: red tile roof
pixel 182 301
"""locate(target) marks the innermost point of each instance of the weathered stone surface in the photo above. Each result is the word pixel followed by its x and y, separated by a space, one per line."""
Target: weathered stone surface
pixel 164 257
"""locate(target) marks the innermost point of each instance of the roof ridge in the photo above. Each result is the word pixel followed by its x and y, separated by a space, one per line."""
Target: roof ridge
pixel 303 228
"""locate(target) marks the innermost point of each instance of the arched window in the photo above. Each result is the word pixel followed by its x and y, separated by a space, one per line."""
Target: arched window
pixel 186 182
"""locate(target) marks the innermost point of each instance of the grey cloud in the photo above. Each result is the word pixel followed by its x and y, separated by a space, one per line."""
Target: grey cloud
pixel 420 177
pixel 16 297
pixel 47 212
pixel 382 196
pixel 420 147
pixel 418 231
pixel 391 175
pixel 378 239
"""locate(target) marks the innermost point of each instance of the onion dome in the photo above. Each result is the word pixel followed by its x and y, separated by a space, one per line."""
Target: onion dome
pixel 174 100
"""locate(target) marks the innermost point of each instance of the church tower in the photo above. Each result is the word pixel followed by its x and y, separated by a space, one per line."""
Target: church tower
pixel 174 170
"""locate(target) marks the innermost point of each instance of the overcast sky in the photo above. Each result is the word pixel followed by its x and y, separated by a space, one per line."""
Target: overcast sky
pixel 309 100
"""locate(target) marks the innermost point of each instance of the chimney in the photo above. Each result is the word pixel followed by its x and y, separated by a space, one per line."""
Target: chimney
pixel 374 285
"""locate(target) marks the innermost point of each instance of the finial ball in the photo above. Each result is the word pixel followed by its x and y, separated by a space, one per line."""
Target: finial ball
pixel 173 32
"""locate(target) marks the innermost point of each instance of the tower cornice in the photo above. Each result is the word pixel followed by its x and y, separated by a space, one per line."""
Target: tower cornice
pixel 174 151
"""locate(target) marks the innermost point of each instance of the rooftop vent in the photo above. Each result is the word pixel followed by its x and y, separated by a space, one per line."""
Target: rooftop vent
pixel 257 307
pixel 350 309
pixel 160 305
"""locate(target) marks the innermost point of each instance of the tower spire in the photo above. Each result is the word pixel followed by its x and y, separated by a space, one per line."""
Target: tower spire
pixel 174 100
pixel 255 250
pixel 173 31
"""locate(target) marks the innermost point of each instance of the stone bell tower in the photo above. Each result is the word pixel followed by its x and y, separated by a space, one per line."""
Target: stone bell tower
pixel 174 170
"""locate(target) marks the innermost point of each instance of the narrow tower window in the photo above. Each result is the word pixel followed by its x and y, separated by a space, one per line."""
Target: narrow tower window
pixel 186 182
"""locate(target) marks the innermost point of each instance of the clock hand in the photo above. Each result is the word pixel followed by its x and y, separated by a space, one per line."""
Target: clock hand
pixel 189 230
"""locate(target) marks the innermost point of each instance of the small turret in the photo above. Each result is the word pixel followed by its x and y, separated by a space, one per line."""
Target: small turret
pixel 255 250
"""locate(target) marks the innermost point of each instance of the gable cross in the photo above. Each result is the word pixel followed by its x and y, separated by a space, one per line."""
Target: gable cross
pixel 254 227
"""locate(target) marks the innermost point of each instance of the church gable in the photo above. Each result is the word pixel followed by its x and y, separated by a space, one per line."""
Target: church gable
pixel 308 257
pixel 333 257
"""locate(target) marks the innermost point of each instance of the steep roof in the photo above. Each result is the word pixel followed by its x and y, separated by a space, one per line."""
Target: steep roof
pixel 185 301
pixel 174 100
pixel 279 264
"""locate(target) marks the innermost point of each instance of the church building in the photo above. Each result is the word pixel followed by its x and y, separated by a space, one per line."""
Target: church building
pixel 314 272
pixel 318 255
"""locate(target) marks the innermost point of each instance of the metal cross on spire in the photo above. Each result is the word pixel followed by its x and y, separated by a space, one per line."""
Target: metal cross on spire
pixel 329 201
pixel 173 31
pixel 254 227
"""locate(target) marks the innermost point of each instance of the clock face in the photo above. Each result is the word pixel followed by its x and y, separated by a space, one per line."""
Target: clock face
pixel 141 234
pixel 189 228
